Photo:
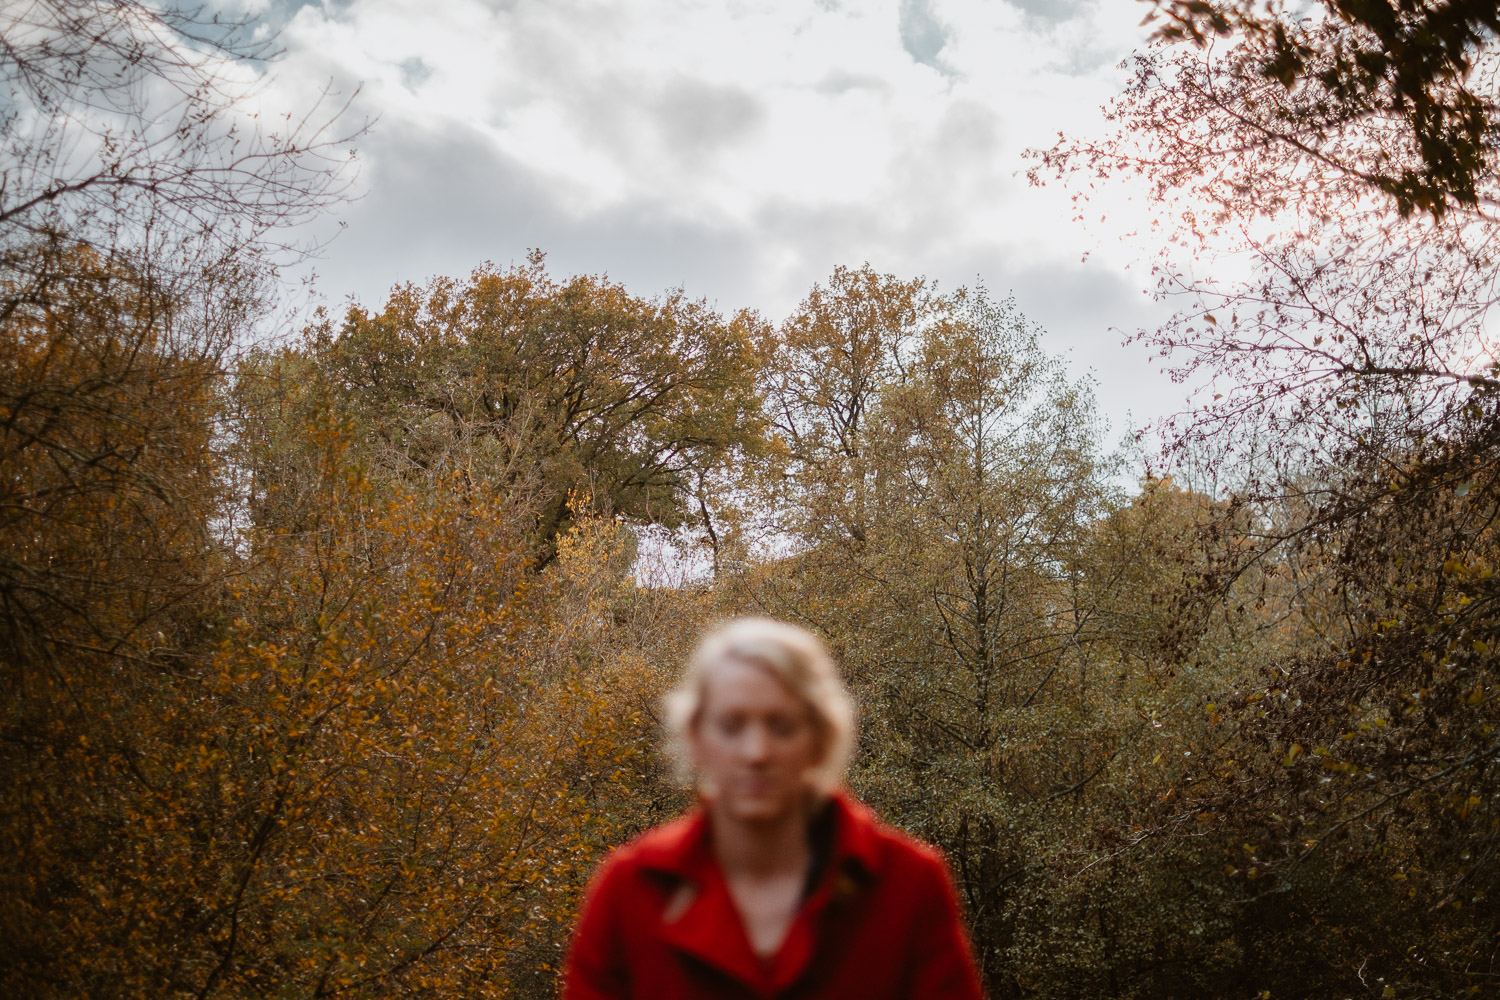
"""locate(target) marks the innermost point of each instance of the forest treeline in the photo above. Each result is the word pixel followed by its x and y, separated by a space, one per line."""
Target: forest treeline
pixel 331 662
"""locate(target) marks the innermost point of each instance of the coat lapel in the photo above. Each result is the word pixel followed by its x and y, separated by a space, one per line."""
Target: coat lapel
pixel 711 931
pixel 699 917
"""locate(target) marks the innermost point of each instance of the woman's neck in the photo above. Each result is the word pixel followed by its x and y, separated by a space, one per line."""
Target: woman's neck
pixel 773 847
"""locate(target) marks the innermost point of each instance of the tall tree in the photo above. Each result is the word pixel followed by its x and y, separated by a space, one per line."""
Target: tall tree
pixel 562 388
pixel 938 479
pixel 834 357
pixel 1331 179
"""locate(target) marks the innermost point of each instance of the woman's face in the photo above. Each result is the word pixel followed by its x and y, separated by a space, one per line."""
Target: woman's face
pixel 754 743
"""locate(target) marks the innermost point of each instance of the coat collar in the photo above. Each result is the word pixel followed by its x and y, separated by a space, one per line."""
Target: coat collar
pixel 704 922
pixel 682 848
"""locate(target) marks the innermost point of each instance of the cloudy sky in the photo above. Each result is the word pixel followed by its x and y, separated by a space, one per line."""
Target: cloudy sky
pixel 739 149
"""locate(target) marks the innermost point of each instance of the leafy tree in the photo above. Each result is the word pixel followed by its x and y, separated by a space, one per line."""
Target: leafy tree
pixel 1333 245
pixel 561 387
pixel 346 770
pixel 833 357
pixel 941 474
pixel 1363 68
pixel 1314 296
pixel 275 719
pixel 109 457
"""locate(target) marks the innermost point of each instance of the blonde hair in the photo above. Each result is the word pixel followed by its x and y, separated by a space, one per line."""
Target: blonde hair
pixel 795 657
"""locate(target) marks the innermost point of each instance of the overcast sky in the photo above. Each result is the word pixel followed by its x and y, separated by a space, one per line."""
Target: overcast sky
pixel 739 149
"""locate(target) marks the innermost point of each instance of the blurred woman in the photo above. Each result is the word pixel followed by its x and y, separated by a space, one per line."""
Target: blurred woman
pixel 779 884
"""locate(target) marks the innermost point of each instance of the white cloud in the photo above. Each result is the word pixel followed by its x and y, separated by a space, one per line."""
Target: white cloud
pixel 741 148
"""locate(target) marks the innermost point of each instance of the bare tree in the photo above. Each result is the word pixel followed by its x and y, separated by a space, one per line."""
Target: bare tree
pixel 136 129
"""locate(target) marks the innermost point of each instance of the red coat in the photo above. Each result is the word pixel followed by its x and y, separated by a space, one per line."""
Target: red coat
pixel 882 921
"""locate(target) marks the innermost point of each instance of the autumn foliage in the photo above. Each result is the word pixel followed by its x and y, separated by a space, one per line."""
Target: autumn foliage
pixel 331 662
pixel 291 738
pixel 313 691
